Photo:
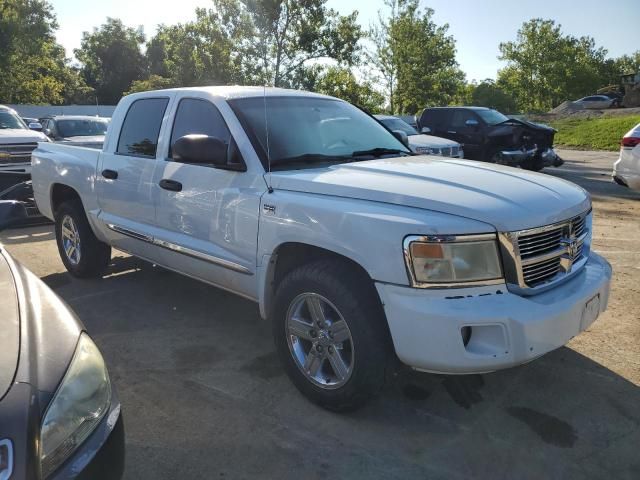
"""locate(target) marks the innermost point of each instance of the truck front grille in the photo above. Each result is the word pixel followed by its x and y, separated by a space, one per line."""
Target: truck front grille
pixel 16 152
pixel 541 256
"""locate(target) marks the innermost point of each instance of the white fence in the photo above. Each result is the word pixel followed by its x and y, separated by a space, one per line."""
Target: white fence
pixel 38 111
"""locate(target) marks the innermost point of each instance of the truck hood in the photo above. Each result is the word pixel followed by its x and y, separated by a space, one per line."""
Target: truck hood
pixel 9 327
pixel 20 135
pixel 431 141
pixel 507 198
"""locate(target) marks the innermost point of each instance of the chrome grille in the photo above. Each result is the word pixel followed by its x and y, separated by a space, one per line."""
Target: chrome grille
pixel 541 256
pixel 16 152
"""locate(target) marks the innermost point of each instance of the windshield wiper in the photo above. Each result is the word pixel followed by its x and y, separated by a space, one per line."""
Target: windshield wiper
pixel 308 158
pixel 377 152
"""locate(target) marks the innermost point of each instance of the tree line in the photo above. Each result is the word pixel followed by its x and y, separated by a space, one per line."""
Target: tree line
pixel 404 62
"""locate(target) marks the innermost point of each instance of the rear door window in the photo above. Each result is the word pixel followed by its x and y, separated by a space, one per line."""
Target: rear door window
pixel 141 127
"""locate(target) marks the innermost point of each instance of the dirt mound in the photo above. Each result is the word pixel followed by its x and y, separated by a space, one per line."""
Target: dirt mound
pixel 566 108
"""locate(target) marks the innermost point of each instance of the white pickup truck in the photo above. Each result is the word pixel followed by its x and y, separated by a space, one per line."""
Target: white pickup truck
pixel 354 247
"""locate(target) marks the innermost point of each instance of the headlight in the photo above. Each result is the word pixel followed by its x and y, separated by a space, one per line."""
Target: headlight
pixel 81 401
pixel 424 150
pixel 452 260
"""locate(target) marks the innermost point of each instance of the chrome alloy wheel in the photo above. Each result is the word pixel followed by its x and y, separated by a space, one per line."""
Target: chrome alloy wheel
pixel 70 240
pixel 320 340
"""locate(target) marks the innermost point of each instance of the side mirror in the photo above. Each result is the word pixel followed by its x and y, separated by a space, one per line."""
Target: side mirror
pixel 200 149
pixel 35 126
pixel 425 130
pixel 402 136
pixel 471 123
pixel 47 132
pixel 12 213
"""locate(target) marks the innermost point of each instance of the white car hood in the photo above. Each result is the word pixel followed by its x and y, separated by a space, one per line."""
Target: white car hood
pixel 20 135
pixel 431 141
pixel 507 198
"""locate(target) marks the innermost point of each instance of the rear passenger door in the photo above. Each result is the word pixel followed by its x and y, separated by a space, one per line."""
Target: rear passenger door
pixel 124 180
pixel 207 218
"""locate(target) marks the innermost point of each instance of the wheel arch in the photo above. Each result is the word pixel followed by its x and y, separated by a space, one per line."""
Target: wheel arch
pixel 289 255
pixel 61 193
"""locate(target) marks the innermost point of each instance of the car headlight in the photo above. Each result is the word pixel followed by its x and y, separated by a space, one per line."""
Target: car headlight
pixel 439 261
pixel 78 406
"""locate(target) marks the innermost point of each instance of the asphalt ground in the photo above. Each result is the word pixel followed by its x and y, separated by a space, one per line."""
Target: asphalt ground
pixel 204 396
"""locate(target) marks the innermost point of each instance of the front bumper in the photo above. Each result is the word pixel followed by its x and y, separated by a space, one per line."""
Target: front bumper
pixel 518 156
pixel 550 158
pixel 506 329
pixel 16 168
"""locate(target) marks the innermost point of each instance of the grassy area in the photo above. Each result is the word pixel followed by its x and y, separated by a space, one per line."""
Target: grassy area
pixel 602 133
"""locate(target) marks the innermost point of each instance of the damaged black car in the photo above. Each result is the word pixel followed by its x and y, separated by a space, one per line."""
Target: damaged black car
pixel 491 136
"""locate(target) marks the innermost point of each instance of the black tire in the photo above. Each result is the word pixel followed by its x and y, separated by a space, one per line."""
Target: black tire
pixel 492 155
pixel 94 255
pixel 355 298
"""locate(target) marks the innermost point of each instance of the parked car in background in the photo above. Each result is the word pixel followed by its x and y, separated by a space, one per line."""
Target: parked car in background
pixel 626 170
pixel 16 144
pixel 59 413
pixel 421 142
pixel 596 102
pixel 353 246
pixel 410 119
pixel 76 130
pixel 490 136
pixel 32 123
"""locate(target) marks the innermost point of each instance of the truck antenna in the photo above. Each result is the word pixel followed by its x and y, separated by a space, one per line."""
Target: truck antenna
pixel 266 128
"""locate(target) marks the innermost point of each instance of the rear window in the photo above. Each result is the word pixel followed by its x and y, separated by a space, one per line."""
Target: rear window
pixel 141 127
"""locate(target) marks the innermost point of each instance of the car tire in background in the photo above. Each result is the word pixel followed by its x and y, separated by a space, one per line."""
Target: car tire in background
pixel 330 333
pixel 82 254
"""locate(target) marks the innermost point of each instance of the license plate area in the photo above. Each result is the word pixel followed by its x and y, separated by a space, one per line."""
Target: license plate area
pixel 590 312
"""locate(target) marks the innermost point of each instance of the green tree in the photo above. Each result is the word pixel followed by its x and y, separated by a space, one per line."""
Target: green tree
pixel 340 82
pixel 32 65
pixel 283 37
pixel 153 82
pixel 488 94
pixel 546 67
pixel 416 58
pixel 111 59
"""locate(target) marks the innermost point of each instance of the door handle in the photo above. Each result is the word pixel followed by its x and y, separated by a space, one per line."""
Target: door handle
pixel 110 174
pixel 451 131
pixel 170 185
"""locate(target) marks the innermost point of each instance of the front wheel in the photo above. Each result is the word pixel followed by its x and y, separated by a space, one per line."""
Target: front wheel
pixel 329 330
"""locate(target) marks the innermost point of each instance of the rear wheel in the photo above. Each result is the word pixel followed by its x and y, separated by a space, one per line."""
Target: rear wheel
pixel 329 330
pixel 82 254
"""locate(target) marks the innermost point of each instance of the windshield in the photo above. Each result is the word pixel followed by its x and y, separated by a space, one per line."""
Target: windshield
pixel 492 117
pixel 81 127
pixel 305 127
pixel 10 120
pixel 397 124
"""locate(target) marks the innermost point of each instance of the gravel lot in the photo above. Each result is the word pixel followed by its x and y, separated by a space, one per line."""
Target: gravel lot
pixel 204 396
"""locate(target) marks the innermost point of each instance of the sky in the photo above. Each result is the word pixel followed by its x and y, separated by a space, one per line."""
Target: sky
pixel 477 25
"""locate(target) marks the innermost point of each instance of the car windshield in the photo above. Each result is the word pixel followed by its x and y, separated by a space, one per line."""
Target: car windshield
pixel 10 120
pixel 81 127
pixel 492 117
pixel 398 124
pixel 308 129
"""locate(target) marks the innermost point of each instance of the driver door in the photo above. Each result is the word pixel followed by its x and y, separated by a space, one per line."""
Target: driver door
pixel 207 215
